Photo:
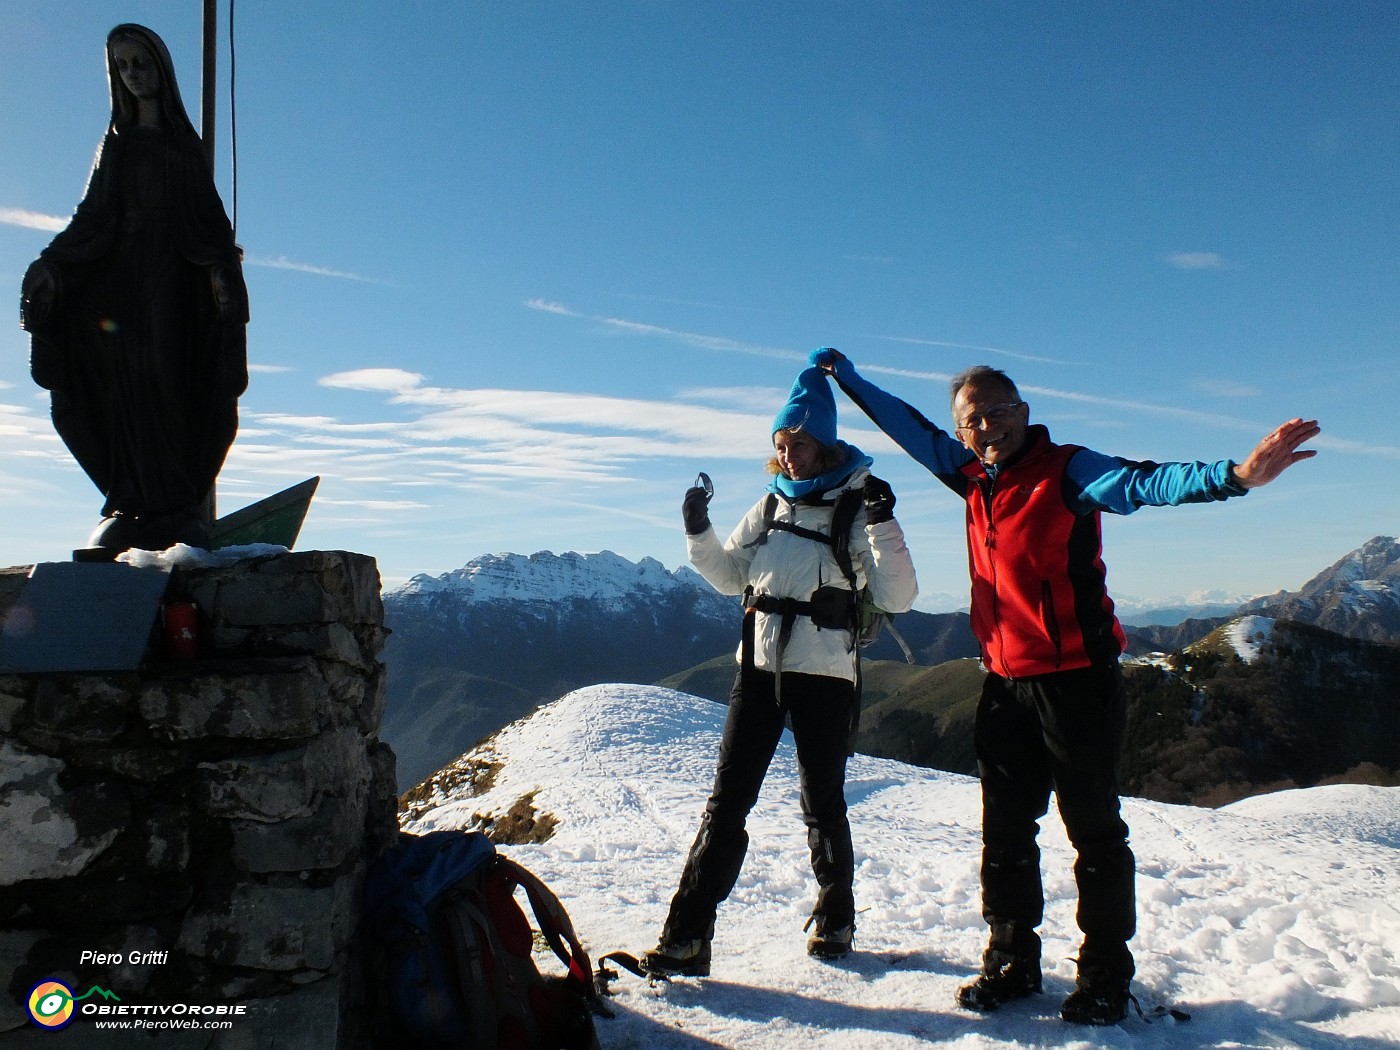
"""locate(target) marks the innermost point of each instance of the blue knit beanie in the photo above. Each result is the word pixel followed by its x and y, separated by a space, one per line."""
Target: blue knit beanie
pixel 810 408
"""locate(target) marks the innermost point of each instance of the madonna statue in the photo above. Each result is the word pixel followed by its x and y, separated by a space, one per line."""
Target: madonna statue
pixel 137 313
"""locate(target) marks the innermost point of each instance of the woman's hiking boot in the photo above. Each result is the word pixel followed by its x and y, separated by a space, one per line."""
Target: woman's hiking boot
pixel 1003 979
pixel 832 939
pixel 1010 968
pixel 689 958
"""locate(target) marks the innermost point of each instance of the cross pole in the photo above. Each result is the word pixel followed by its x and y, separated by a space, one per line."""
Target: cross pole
pixel 209 512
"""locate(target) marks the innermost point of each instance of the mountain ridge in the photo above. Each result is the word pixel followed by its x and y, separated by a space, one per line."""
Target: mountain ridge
pixel 475 648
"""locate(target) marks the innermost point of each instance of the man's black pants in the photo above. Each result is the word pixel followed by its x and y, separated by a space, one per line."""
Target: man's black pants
pixel 1061 732
pixel 820 708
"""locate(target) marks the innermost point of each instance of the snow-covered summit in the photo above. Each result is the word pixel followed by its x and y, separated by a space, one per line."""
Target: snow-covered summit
pixel 1249 635
pixel 1273 921
pixel 1357 596
pixel 605 577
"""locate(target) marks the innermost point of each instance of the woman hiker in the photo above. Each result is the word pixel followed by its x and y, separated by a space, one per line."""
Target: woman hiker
pixel 798 659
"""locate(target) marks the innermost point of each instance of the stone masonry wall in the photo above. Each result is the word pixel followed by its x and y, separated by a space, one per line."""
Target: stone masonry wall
pixel 201 827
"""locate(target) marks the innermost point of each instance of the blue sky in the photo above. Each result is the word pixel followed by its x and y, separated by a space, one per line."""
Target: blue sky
pixel 518 270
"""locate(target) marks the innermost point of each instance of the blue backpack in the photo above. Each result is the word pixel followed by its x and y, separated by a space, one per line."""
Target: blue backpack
pixel 450 951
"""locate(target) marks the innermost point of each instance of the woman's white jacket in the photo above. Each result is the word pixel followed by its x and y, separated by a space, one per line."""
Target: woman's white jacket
pixel 789 566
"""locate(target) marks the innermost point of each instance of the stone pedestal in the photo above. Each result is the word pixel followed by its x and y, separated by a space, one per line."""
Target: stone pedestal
pixel 195 833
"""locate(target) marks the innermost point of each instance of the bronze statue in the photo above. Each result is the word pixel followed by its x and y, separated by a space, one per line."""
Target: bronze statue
pixel 137 313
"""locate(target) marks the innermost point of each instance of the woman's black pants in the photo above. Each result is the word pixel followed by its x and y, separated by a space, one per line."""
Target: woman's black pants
pixel 820 708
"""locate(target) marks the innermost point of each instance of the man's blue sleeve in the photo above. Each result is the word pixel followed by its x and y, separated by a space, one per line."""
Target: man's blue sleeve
pixel 1120 486
pixel 928 444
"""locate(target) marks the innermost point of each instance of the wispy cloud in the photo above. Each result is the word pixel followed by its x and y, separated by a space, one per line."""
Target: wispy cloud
pixel 384 380
pixel 1075 397
pixel 971 346
pixel 702 341
pixel 283 263
pixel 1198 261
pixel 449 438
pixel 32 220
pixel 1226 388
pixel 756 399
pixel 548 307
pixel 694 339
pixel 374 504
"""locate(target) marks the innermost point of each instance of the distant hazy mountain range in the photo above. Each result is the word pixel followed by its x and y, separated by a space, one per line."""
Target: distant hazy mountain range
pixel 479 647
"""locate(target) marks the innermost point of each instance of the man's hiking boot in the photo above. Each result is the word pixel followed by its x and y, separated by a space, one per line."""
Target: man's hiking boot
pixel 678 959
pixel 832 938
pixel 1100 993
pixel 1097 999
pixel 1002 981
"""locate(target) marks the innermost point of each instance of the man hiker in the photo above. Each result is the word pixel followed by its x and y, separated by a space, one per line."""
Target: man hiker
pixel 1052 710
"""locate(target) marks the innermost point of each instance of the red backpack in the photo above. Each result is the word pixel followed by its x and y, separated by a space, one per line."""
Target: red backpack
pixel 452 951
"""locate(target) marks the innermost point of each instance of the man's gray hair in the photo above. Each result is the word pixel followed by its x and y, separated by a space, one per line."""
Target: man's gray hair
pixel 981 375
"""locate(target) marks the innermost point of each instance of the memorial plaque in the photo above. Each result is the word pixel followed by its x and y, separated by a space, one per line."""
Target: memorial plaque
pixel 81 616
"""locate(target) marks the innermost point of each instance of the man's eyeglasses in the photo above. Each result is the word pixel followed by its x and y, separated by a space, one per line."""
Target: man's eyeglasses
pixel 991 416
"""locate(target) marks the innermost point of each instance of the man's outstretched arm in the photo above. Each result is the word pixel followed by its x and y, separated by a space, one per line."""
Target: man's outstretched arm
pixel 1121 487
pixel 927 443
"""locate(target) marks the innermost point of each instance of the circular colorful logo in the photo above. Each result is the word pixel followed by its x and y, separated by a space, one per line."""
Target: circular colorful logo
pixel 51 1004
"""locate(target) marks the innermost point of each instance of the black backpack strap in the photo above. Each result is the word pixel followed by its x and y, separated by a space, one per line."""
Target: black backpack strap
pixel 770 521
pixel 789 609
pixel 843 518
pixel 842 521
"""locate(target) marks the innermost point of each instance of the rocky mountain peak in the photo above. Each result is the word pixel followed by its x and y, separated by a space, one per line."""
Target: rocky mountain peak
pixel 545 577
pixel 1358 596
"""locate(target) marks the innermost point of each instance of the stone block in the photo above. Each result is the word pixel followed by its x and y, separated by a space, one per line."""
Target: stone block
pixel 256 600
pixel 351 581
pixel 146 764
pixel 80 708
pixel 275 928
pixel 333 640
pixel 284 785
pixel 329 837
pixel 15 946
pixel 266 788
pixel 275 706
pixel 371 712
pixel 51 832
pixel 10 709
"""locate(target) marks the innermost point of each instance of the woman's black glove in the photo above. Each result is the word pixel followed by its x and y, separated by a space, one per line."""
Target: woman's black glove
pixel 695 508
pixel 879 500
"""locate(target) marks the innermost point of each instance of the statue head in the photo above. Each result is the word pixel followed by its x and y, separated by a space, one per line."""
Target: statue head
pixel 154 73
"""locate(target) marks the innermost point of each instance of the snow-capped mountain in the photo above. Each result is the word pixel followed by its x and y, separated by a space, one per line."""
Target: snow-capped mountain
pixel 609 581
pixel 1358 597
pixel 475 648
pixel 1272 921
